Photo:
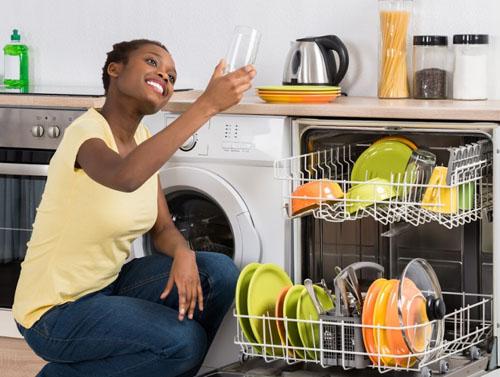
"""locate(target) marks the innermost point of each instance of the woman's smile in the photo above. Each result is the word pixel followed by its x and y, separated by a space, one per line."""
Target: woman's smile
pixel 158 86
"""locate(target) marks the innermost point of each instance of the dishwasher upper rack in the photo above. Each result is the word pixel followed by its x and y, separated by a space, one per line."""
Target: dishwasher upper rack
pixel 468 329
pixel 469 165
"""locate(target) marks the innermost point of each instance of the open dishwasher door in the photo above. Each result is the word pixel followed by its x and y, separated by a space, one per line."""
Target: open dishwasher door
pixel 447 221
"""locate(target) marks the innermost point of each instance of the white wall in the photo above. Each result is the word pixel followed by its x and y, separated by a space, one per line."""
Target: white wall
pixel 69 38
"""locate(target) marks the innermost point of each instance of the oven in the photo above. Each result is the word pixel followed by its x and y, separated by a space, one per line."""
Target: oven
pixel 28 140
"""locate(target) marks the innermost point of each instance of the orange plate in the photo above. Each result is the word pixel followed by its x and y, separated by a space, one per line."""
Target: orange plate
pixel 379 316
pixel 367 317
pixel 298 99
pixel 295 93
pixel 280 324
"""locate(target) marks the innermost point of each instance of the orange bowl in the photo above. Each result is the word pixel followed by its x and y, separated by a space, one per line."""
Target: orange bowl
pixel 310 195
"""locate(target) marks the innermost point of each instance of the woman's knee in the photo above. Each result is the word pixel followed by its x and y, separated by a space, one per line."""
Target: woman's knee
pixel 220 270
pixel 191 346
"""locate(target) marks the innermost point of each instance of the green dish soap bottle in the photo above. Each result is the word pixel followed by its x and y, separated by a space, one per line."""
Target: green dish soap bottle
pixel 16 73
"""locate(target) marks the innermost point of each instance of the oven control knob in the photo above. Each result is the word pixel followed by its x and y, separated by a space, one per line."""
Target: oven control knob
pixel 189 143
pixel 54 132
pixel 37 131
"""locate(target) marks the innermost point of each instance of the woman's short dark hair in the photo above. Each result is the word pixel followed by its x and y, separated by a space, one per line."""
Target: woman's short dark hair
pixel 120 54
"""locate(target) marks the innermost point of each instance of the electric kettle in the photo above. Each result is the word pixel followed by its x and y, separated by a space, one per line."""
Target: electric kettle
pixel 310 61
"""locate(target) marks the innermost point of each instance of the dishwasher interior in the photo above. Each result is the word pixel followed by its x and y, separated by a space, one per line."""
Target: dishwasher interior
pixel 391 231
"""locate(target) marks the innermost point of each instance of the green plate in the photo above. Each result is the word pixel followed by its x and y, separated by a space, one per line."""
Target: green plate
pixel 242 298
pixel 309 332
pixel 299 88
pixel 381 160
pixel 290 312
pixel 265 285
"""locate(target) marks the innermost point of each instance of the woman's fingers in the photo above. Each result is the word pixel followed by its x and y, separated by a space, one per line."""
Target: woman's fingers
pixel 167 289
pixel 200 296
pixel 181 288
pixel 192 304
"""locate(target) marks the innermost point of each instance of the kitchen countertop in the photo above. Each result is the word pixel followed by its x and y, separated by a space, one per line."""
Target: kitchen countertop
pixel 343 107
pixel 359 107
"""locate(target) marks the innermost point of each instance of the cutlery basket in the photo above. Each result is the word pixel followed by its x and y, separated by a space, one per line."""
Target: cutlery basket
pixel 342 342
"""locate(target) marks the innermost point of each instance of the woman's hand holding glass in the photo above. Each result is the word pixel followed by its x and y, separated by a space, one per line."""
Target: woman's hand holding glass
pixel 226 90
pixel 184 274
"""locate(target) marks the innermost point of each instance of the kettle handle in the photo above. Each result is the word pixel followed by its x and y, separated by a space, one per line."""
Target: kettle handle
pixel 332 42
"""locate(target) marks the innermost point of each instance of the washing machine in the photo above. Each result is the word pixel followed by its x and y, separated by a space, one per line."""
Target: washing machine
pixel 223 197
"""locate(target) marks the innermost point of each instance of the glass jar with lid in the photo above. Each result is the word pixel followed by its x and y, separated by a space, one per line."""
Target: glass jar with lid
pixel 430 76
pixel 395 18
pixel 470 76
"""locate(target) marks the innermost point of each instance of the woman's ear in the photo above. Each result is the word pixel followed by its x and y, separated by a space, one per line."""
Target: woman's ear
pixel 114 69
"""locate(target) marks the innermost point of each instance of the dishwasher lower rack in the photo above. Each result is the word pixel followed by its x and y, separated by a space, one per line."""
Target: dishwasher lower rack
pixel 338 341
pixel 463 197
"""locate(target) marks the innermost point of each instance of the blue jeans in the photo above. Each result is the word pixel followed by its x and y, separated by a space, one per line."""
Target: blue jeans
pixel 126 330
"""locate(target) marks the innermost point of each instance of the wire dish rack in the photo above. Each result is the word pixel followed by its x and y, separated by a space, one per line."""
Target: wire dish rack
pixel 463 198
pixel 338 341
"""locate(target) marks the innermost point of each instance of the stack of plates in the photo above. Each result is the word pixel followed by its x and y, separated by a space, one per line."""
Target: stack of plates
pixel 298 93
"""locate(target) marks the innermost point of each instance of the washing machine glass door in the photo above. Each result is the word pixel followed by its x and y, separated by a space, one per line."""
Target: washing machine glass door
pixel 210 214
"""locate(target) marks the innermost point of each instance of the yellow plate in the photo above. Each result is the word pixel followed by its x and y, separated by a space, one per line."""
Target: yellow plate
pixel 265 285
pixel 300 88
pixel 309 332
pixel 241 300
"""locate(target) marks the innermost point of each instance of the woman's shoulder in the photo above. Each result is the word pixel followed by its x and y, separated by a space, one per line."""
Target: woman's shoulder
pixel 90 123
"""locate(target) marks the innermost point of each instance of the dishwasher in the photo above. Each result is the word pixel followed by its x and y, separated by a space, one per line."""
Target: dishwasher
pixel 391 232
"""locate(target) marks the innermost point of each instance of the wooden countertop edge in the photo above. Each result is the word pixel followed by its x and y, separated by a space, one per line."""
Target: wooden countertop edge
pixel 26 100
pixel 359 107
pixel 344 107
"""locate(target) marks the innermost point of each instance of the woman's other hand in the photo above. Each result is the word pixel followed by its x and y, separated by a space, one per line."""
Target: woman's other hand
pixel 184 274
pixel 226 90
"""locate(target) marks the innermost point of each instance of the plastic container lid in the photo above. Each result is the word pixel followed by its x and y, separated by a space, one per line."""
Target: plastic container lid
pixel 15 36
pixel 430 40
pixel 471 39
pixel 421 305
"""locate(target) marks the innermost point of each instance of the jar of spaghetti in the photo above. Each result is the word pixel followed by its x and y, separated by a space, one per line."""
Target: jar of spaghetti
pixel 395 18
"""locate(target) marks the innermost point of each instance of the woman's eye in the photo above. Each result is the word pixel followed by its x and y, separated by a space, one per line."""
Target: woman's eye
pixel 152 62
pixel 171 78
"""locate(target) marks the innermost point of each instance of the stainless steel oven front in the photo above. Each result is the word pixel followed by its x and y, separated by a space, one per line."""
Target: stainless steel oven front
pixel 28 140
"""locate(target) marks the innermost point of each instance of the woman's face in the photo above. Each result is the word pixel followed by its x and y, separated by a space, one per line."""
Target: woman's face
pixel 149 77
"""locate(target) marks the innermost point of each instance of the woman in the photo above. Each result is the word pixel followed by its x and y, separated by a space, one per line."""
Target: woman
pixel 77 305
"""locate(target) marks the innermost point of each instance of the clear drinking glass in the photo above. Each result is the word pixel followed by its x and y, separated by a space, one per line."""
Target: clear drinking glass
pixel 418 172
pixel 243 49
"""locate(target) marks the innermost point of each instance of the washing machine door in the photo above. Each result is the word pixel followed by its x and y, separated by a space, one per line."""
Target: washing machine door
pixel 210 213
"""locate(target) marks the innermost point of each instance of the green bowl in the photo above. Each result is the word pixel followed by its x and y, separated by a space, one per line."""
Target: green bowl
pixel 369 192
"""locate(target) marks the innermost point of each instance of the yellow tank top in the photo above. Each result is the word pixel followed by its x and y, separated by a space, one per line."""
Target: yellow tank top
pixel 83 230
